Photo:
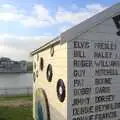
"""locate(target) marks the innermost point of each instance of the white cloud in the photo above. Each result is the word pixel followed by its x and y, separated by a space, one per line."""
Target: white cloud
pixel 19 47
pixel 95 7
pixel 63 15
pixel 64 28
pixel 9 12
pixel 40 16
pixel 12 52
pixel 42 13
pixel 33 22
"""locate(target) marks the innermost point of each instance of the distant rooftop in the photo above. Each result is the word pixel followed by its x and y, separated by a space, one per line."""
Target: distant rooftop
pixel 5 59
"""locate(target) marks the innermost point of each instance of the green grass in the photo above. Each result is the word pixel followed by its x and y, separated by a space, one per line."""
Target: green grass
pixel 20 113
pixel 16 113
pixel 15 98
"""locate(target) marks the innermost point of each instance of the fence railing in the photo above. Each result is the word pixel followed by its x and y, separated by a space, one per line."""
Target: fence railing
pixel 15 91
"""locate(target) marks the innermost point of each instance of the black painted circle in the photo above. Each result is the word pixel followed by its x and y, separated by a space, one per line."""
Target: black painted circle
pixel 41 105
pixel 52 51
pixel 35 65
pixel 37 57
pixel 61 90
pixel 49 73
pixel 37 73
pixel 41 63
pixel 34 76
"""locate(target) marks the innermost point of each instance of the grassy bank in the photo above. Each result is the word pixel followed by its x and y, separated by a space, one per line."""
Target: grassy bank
pixel 22 97
pixel 16 108
pixel 18 113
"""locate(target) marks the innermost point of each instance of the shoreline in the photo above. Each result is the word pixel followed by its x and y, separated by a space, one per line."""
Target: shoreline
pixel 15 72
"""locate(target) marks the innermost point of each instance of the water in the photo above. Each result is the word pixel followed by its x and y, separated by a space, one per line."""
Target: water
pixel 15 84
pixel 16 80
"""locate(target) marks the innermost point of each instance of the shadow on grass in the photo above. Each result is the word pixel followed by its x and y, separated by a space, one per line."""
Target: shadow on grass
pixel 19 113
pixel 2 118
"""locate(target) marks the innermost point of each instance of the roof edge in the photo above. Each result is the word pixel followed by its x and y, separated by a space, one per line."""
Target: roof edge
pixel 46 45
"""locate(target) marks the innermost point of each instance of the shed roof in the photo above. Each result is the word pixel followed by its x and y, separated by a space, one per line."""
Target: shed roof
pixel 83 27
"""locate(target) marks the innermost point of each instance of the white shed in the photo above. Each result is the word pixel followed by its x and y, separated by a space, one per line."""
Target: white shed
pixel 77 74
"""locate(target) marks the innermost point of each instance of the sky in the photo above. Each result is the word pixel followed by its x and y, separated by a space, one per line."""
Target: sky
pixel 26 24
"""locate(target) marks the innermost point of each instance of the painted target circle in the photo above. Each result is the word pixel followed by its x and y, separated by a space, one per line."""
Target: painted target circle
pixel 41 105
pixel 41 63
pixel 61 90
pixel 37 57
pixel 52 51
pixel 34 76
pixel 37 73
pixel 34 65
pixel 49 73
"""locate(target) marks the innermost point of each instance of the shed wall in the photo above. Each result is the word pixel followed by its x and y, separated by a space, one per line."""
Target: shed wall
pixel 85 99
pixel 58 110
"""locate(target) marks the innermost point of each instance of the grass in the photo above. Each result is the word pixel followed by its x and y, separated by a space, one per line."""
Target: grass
pixel 16 112
pixel 19 113
pixel 21 97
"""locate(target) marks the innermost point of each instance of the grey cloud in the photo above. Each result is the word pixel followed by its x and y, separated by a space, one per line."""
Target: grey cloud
pixel 19 47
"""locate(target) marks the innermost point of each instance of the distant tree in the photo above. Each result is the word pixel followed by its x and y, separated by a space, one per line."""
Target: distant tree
pixel 29 66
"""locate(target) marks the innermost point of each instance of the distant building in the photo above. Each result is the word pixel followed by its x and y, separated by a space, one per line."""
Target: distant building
pixel 9 66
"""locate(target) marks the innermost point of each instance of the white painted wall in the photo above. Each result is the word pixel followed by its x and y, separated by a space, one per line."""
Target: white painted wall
pixel 58 110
